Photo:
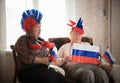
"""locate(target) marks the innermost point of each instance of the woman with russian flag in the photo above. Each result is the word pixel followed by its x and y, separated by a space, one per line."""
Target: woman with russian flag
pixel 33 54
pixel 85 70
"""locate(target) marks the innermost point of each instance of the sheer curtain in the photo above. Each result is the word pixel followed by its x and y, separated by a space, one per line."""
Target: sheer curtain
pixel 14 9
pixel 2 25
pixel 54 22
pixel 54 18
pixel 2 37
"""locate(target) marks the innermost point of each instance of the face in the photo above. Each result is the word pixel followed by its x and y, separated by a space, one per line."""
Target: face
pixel 36 31
pixel 75 37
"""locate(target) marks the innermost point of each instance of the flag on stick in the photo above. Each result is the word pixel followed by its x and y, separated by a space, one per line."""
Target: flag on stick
pixel 53 54
pixel 108 57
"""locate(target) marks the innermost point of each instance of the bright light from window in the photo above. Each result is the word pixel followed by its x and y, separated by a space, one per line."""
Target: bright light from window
pixel 53 22
pixel 54 19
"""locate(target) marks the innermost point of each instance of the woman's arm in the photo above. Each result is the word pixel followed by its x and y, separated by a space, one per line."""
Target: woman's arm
pixel 63 55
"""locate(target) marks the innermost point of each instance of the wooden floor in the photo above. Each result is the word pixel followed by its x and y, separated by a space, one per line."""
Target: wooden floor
pixel 6 67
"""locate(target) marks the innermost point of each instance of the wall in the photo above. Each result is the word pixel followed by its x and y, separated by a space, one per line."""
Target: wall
pixel 6 67
pixel 115 29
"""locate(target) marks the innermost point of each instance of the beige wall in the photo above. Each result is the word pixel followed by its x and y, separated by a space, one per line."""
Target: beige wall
pixel 115 29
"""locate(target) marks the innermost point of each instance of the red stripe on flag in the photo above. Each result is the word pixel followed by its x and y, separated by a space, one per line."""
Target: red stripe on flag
pixel 53 58
pixel 83 59
pixel 107 58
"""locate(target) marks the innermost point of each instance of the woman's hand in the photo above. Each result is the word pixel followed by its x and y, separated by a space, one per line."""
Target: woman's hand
pixel 43 60
pixel 67 59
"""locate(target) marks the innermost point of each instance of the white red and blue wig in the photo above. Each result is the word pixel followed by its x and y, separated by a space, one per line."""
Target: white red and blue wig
pixel 77 26
pixel 30 18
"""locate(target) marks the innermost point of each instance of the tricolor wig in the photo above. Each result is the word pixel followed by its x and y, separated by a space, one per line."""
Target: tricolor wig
pixel 30 18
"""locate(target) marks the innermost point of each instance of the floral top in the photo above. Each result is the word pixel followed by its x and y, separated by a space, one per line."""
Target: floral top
pixel 25 53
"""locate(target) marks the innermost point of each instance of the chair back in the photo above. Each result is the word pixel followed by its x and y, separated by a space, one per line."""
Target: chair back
pixel 59 41
pixel 15 62
pixel 62 40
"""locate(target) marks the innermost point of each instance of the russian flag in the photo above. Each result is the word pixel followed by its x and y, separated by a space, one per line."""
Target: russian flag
pixel 53 54
pixel 85 53
pixel 107 56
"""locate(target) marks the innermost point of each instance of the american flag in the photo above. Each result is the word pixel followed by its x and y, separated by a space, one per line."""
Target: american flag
pixel 85 53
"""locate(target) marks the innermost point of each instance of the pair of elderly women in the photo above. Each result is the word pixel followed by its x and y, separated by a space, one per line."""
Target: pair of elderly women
pixel 33 55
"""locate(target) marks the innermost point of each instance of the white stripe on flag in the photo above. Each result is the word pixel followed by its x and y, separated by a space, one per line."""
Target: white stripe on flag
pixel 86 47
pixel 110 55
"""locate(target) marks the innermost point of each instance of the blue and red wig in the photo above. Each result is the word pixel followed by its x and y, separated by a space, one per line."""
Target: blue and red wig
pixel 30 18
pixel 78 27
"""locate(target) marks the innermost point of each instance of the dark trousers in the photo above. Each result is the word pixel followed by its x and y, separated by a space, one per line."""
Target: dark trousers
pixel 40 73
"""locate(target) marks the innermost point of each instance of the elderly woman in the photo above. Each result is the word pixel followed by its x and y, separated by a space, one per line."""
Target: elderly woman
pixel 33 53
pixel 82 72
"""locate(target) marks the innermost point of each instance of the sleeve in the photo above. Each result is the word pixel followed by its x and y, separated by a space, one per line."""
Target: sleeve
pixel 60 56
pixel 22 49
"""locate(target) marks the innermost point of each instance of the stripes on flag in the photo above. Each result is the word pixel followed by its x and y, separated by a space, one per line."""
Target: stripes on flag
pixel 53 54
pixel 85 53
pixel 107 56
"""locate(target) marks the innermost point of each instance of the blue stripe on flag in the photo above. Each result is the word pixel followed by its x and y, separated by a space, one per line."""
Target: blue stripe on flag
pixel 53 53
pixel 85 53
pixel 109 56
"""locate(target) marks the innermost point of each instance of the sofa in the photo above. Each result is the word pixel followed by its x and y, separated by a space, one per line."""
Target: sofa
pixel 62 40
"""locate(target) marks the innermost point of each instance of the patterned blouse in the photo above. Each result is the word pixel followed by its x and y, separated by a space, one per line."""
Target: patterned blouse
pixel 26 54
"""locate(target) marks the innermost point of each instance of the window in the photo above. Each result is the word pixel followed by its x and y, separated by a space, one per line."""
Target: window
pixel 53 22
